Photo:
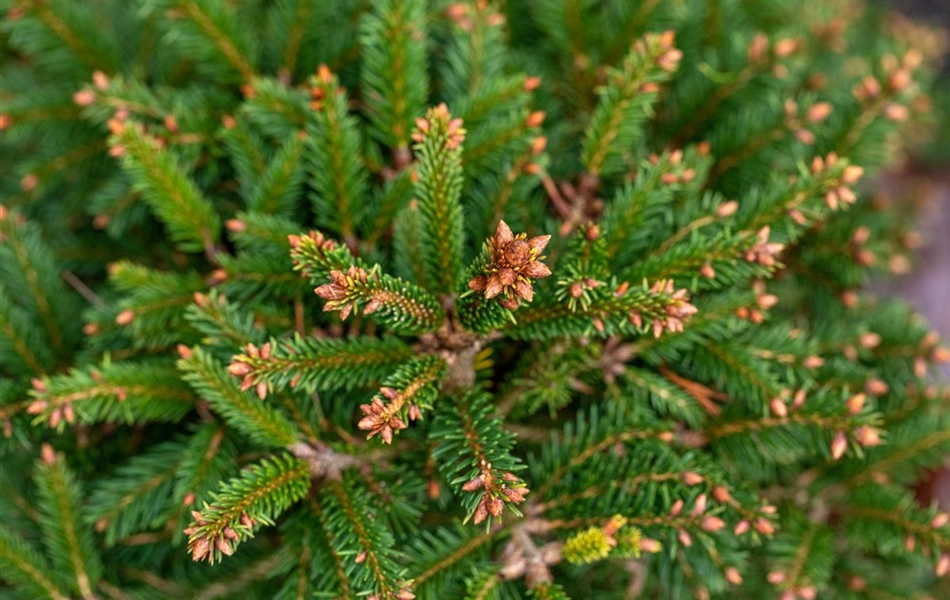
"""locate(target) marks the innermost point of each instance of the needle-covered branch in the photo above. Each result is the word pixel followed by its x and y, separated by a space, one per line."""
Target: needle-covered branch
pixel 438 146
pixel 237 510
pixel 474 454
pixel 164 184
pixel 400 305
pixel 314 363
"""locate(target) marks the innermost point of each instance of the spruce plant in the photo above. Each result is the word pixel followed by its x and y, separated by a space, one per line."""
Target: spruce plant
pixel 394 299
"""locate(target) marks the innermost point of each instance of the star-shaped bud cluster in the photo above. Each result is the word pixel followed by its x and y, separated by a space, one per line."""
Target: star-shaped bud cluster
pixel 495 492
pixel 515 261
pixel 205 537
pixel 340 293
pixel 439 121
pixel 764 252
pixel 383 419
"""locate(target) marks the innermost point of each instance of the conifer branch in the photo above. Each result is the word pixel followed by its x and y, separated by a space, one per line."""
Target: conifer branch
pixel 481 466
pixel 403 307
pixel 113 392
pixel 213 23
pixel 21 564
pixel 30 273
pixel 280 183
pixel 189 216
pixel 73 28
pixel 351 523
pixel 125 504
pixel 410 391
pixel 393 37
pixel 335 167
pixel 260 570
pixel 314 363
pixel 438 140
pixel 691 188
pixel 19 342
pixel 623 309
pixel 209 458
pixel 341 578
pixel 223 322
pixel 259 495
pixel 275 109
pixel 70 544
pixel 626 102
pixel 249 415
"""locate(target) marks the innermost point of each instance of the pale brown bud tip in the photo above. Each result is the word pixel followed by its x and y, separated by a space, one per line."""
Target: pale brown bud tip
pixel 47 454
pixel 125 317
pixel 839 445
pixel 943 565
pixel 237 226
pixel 876 387
pixel 778 408
pixel 727 209
pixel 84 97
pixel 531 83
pixel 691 478
pixel 855 403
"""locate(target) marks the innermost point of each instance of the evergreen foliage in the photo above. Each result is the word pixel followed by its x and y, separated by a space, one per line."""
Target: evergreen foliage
pixel 485 299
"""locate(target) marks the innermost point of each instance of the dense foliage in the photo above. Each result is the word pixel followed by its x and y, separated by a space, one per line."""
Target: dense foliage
pixel 403 298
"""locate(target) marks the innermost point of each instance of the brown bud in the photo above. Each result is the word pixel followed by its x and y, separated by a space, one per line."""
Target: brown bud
pixel 690 478
pixel 764 526
pixel 899 80
pixel 855 403
pixel 727 209
pixel 239 369
pixel 778 408
pixel 531 83
pixel 758 47
pixel 29 182
pixel 799 400
pixel 896 112
pixel 818 112
pixel 869 340
pixel 84 97
pixel 713 524
pixel 535 119
pixel 776 577
pixel 785 47
pixel 839 445
pixel 47 454
pixel 733 576
pixel 943 565
pixel 125 317
pixel 851 174
pixel 876 387
pixel 538 144
pixel 867 436
pixel 684 538
pixel 721 494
